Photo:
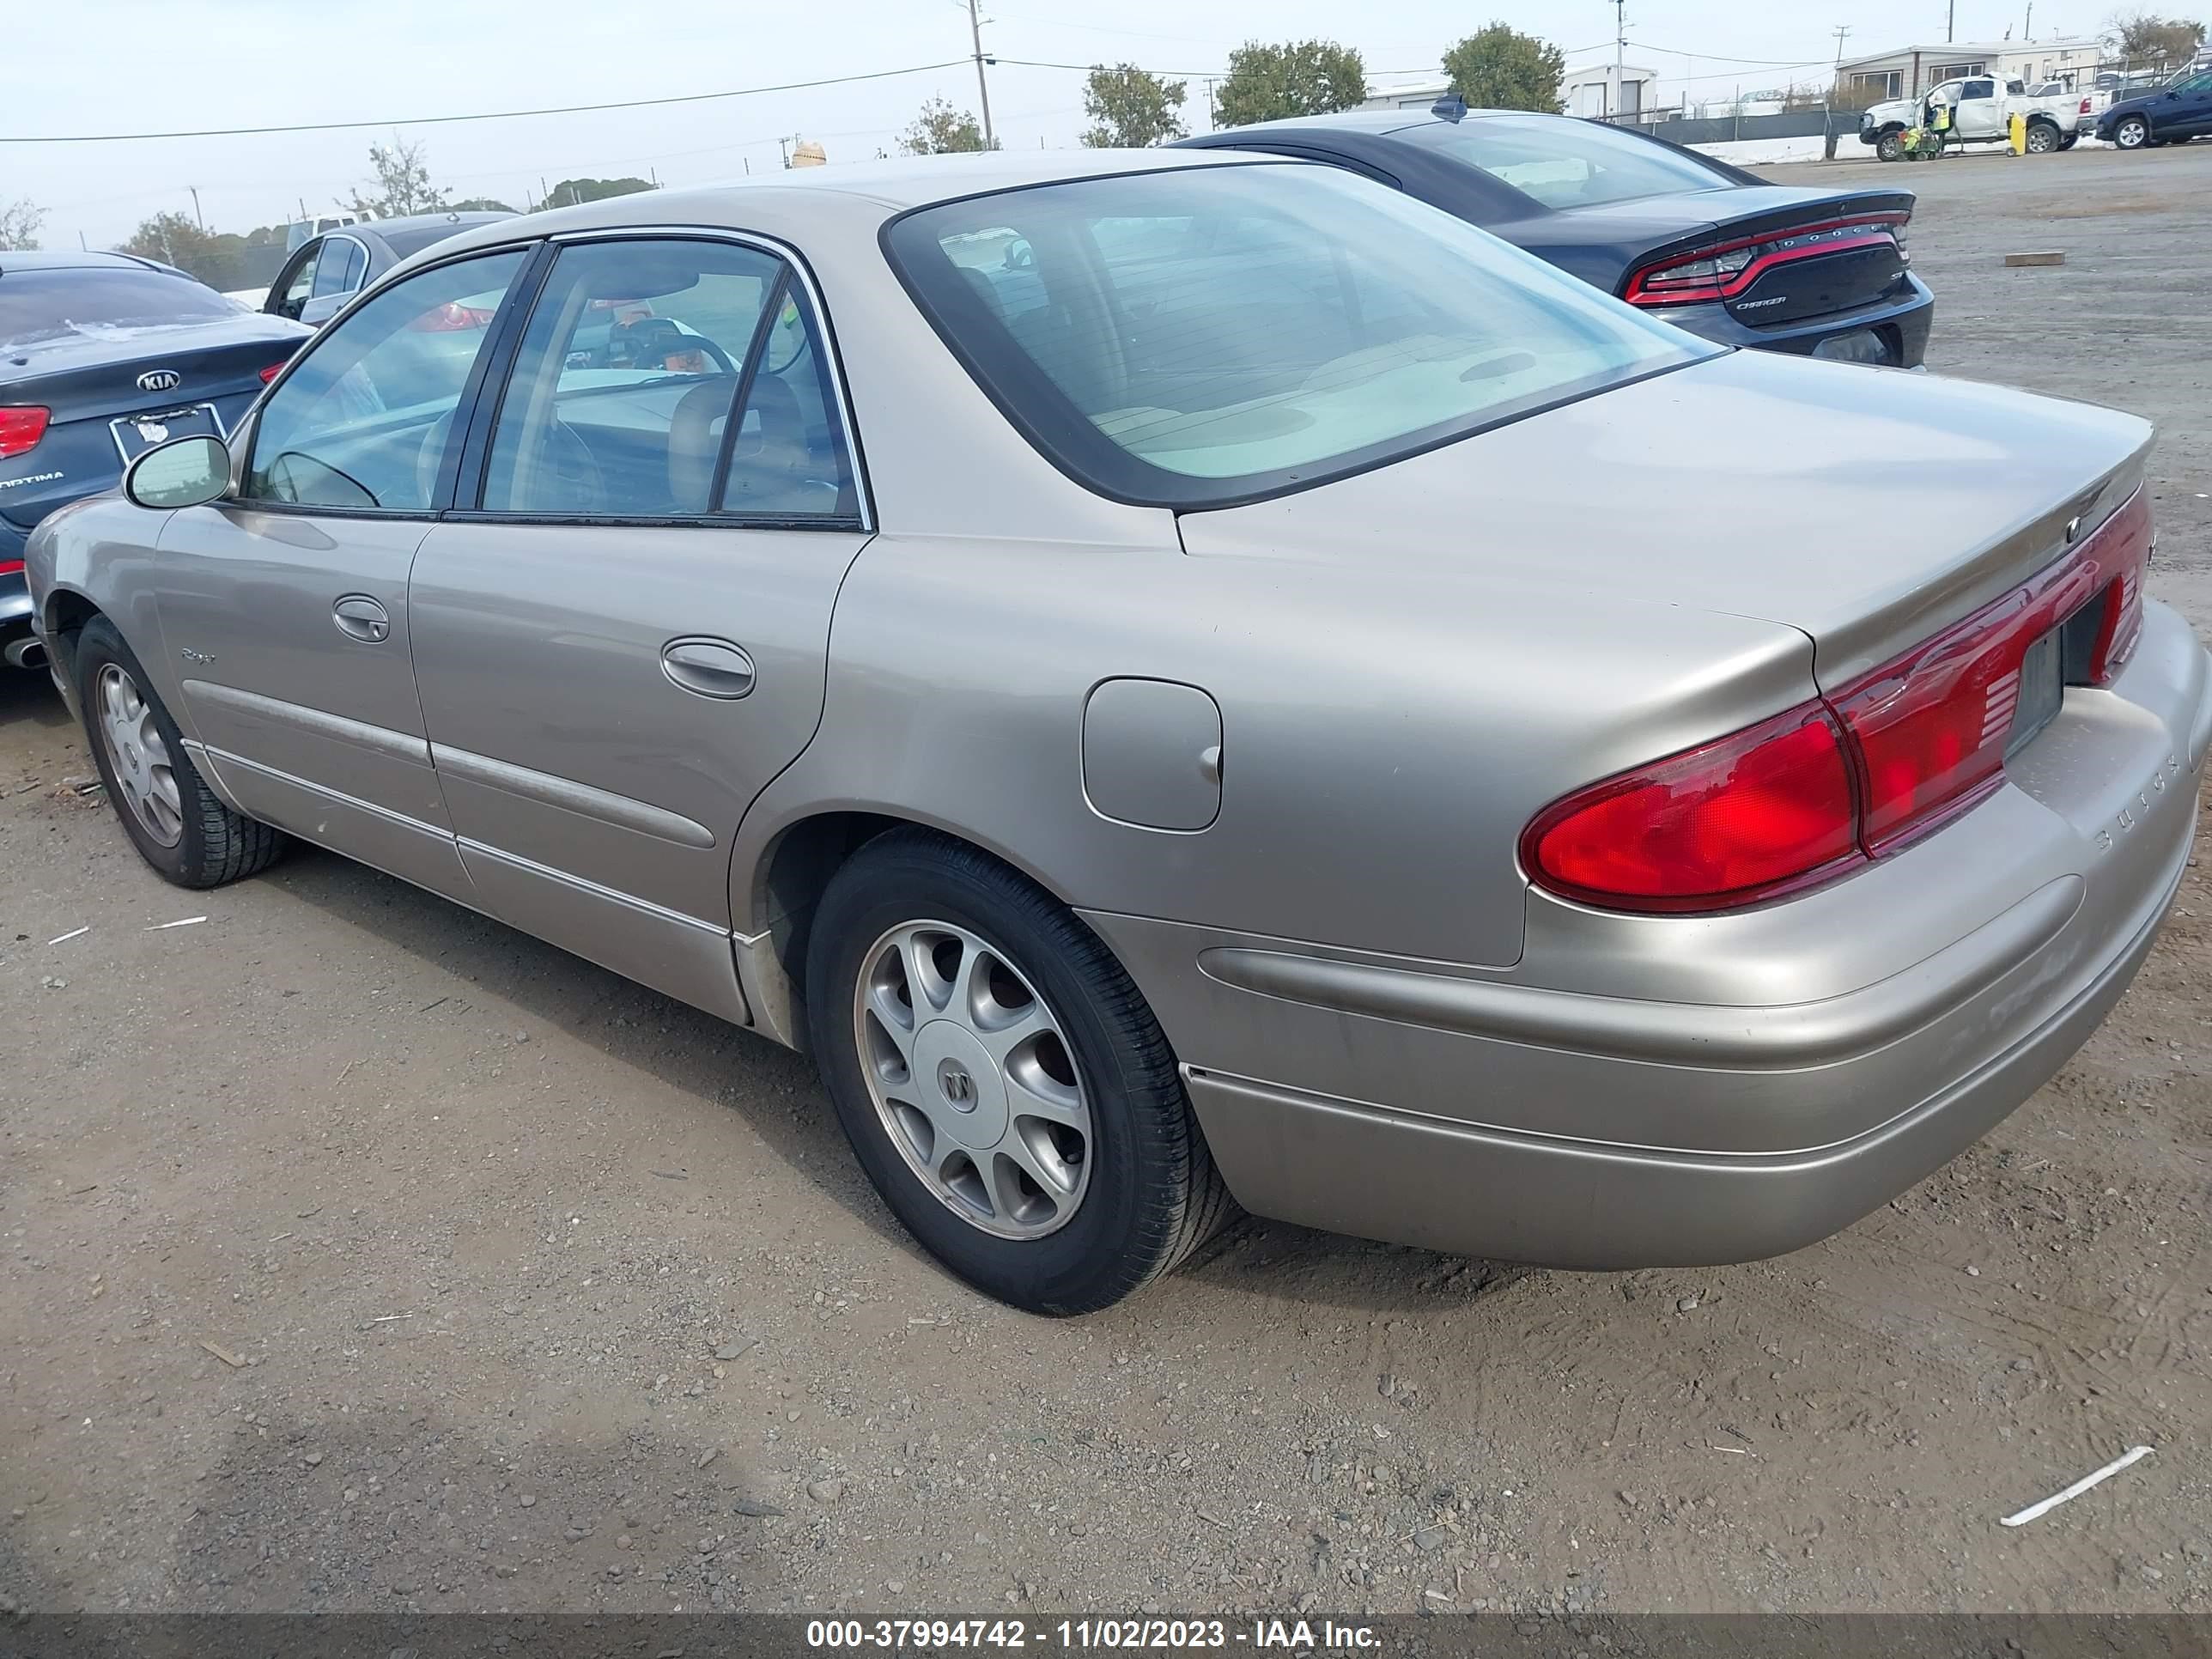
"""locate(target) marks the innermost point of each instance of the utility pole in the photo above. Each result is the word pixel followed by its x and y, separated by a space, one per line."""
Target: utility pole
pixel 1828 104
pixel 783 144
pixel 1951 21
pixel 196 219
pixel 1619 52
pixel 983 87
pixel 2028 29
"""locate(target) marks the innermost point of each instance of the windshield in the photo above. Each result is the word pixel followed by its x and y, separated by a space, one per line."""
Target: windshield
pixel 1195 338
pixel 100 303
pixel 1566 163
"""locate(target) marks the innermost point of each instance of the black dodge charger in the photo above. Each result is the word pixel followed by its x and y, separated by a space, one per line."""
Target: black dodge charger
pixel 101 356
pixel 1708 247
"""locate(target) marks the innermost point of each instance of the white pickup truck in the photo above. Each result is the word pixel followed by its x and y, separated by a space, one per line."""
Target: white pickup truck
pixel 1982 108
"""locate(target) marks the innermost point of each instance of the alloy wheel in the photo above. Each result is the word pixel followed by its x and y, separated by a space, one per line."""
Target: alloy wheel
pixel 973 1079
pixel 138 755
pixel 2131 134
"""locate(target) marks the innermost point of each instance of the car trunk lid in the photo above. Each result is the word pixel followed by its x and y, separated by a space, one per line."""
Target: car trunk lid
pixel 1771 255
pixel 1866 508
pixel 109 371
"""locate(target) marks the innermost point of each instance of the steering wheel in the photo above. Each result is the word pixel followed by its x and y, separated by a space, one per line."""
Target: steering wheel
pixel 650 342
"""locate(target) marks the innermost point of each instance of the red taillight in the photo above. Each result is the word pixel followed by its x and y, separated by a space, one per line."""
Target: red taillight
pixel 11 567
pixel 450 317
pixel 1741 820
pixel 2120 555
pixel 271 372
pixel 1724 270
pixel 1894 753
pixel 21 429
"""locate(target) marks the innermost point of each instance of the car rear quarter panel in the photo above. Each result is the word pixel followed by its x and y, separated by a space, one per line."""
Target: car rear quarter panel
pixel 1383 743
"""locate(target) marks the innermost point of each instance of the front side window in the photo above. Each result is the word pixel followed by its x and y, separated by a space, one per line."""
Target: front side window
pixel 363 420
pixel 620 403
pixel 1202 335
pixel 1568 164
pixel 297 282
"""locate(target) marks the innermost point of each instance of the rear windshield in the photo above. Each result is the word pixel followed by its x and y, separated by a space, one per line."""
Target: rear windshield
pixel 404 243
pixel 1195 338
pixel 1565 163
pixel 101 304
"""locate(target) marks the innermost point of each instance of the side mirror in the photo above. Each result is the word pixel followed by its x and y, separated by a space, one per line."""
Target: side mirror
pixel 184 472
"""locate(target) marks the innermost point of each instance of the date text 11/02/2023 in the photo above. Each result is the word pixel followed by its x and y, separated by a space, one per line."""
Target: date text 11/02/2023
pixel 1292 1635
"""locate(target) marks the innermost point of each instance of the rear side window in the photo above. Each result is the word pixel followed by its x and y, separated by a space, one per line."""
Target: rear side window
pixel 1566 163
pixel 1197 336
pixel 669 379
pixel 340 266
pixel 40 306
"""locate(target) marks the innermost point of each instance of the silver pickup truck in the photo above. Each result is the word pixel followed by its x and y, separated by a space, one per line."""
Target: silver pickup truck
pixel 1982 108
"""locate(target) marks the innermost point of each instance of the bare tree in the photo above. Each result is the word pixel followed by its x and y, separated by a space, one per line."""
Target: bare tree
pixel 403 182
pixel 19 225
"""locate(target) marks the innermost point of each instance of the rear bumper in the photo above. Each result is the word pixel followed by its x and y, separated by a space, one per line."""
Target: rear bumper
pixel 14 594
pixel 1375 1173
pixel 1482 1114
pixel 1904 322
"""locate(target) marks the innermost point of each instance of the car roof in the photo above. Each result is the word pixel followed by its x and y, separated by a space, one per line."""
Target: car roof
pixel 862 191
pixel 456 221
pixel 38 258
pixel 1373 121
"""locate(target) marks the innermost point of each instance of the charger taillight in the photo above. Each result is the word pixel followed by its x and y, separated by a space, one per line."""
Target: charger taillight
pixel 21 426
pixel 1815 792
pixel 1723 270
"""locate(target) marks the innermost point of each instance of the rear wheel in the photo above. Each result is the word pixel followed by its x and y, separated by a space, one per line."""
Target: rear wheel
pixel 2042 138
pixel 1890 147
pixel 2069 140
pixel 1002 1079
pixel 2132 133
pixel 171 816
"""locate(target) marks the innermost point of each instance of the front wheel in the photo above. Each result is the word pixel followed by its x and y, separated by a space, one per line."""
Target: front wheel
pixel 2042 139
pixel 1890 147
pixel 1002 1079
pixel 2070 141
pixel 173 819
pixel 2132 133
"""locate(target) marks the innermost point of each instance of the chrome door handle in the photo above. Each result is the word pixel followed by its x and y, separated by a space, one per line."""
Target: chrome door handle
pixel 361 617
pixel 708 667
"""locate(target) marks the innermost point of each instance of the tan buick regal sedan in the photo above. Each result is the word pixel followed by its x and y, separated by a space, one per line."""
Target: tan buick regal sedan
pixel 1185 678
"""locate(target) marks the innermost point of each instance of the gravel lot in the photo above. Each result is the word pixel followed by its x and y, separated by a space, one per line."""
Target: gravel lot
pixel 363 1254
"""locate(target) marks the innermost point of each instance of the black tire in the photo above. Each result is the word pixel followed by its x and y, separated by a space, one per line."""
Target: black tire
pixel 216 844
pixel 1152 1193
pixel 2043 138
pixel 2069 140
pixel 1890 147
pixel 2133 132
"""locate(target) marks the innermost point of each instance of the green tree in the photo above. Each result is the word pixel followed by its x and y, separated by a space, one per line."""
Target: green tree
pixel 2144 37
pixel 479 204
pixel 941 129
pixel 1132 108
pixel 570 192
pixel 1300 77
pixel 1500 68
pixel 221 259
pixel 19 225
pixel 403 182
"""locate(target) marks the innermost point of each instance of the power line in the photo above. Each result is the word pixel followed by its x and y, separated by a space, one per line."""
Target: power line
pixel 481 115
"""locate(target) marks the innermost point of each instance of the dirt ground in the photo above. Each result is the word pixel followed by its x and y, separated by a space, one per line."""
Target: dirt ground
pixel 361 1254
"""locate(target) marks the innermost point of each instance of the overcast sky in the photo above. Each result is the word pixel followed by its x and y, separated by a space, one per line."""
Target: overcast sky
pixel 80 66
